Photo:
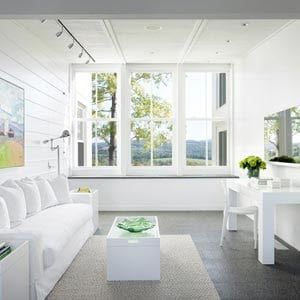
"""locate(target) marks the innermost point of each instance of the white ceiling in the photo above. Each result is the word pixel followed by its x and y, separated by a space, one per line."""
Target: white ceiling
pixel 177 41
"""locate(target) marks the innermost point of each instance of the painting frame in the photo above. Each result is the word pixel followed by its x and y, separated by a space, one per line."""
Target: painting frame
pixel 12 126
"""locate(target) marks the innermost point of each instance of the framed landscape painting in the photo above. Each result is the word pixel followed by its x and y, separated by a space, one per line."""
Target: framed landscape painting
pixel 11 125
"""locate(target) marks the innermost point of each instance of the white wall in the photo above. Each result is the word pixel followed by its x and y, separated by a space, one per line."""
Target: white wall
pixel 26 62
pixel 267 81
pixel 156 194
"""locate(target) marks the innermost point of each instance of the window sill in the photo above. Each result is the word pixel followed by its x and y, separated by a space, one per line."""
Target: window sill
pixel 212 176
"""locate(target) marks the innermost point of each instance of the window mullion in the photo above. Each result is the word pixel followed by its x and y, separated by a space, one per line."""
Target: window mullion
pixel 151 128
pixel 151 124
pixel 206 133
pixel 96 144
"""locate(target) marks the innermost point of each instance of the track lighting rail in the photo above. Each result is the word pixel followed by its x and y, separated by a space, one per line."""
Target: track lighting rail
pixel 64 28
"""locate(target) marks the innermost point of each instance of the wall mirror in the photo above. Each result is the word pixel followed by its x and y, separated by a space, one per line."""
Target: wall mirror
pixel 282 136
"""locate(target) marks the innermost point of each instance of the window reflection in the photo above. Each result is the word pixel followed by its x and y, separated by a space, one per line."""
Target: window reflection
pixel 282 134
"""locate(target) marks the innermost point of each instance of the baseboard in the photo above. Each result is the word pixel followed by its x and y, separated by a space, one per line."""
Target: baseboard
pixel 160 208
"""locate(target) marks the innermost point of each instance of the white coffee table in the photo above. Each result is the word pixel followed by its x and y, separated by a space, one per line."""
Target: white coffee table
pixel 133 256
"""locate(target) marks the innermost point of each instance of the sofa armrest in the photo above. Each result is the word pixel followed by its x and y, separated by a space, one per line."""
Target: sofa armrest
pixel 88 198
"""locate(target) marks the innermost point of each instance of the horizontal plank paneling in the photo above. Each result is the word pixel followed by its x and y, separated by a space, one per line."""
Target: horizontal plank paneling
pixel 42 126
pixel 26 62
pixel 59 110
pixel 28 78
pixel 16 46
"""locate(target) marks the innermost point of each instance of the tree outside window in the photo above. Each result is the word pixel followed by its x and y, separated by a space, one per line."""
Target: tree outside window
pixel 151 119
pixel 104 109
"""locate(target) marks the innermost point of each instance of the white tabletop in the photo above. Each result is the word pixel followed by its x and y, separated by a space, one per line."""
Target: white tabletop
pixel 118 233
pixel 245 183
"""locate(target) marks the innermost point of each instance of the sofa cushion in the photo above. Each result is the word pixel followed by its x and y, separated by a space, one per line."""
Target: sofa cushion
pixel 32 195
pixel 61 189
pixel 4 217
pixel 47 194
pixel 15 202
pixel 55 226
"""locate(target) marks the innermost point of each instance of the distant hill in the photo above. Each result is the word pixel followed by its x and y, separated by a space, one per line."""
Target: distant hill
pixel 194 149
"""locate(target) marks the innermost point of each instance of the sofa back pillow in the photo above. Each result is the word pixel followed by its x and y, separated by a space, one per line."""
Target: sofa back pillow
pixel 60 186
pixel 47 194
pixel 4 216
pixel 15 202
pixel 32 195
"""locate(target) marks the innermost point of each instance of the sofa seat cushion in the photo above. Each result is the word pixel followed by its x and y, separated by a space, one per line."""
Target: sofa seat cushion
pixel 55 226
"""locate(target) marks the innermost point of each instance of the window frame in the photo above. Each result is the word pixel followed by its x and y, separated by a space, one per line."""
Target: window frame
pixel 124 167
pixel 90 170
pixel 151 170
pixel 225 109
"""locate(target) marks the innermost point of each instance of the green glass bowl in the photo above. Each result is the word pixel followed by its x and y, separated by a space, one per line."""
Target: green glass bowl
pixel 135 224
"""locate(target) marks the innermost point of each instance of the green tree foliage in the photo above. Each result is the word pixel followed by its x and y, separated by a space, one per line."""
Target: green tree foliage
pixel 145 105
pixel 104 102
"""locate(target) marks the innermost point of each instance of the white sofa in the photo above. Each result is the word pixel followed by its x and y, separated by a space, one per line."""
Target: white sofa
pixel 55 236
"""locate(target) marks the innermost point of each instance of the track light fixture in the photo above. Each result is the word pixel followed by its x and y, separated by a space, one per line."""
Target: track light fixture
pixel 70 46
pixel 74 42
pixel 43 21
pixel 59 33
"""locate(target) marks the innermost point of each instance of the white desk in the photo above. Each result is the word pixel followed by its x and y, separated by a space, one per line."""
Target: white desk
pixel 266 199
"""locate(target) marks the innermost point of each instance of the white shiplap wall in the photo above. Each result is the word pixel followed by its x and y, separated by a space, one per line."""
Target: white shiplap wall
pixel 267 81
pixel 28 63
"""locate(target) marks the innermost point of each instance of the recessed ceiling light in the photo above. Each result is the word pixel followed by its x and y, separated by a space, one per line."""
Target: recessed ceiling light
pixel 153 27
pixel 228 41
pixel 245 24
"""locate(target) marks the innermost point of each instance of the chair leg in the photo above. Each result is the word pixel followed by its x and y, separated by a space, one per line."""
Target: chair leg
pixel 255 230
pixel 225 216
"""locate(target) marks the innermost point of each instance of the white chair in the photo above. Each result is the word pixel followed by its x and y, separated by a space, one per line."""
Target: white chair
pixel 238 210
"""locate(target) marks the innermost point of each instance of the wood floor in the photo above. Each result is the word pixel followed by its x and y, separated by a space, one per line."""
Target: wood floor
pixel 234 269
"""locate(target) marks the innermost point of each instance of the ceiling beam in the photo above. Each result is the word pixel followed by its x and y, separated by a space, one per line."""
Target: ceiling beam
pixel 109 30
pixel 192 39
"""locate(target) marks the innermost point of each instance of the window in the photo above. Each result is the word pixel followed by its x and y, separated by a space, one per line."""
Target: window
pixel 81 133
pixel 282 134
pixel 151 123
pixel 150 119
pixel 104 111
pixel 203 121
pixel 99 120
pixel 221 89
pixel 222 148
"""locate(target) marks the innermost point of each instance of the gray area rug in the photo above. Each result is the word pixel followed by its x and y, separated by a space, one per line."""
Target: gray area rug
pixel 183 275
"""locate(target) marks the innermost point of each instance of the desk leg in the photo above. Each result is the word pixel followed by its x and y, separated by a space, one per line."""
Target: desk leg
pixel 232 218
pixel 266 252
